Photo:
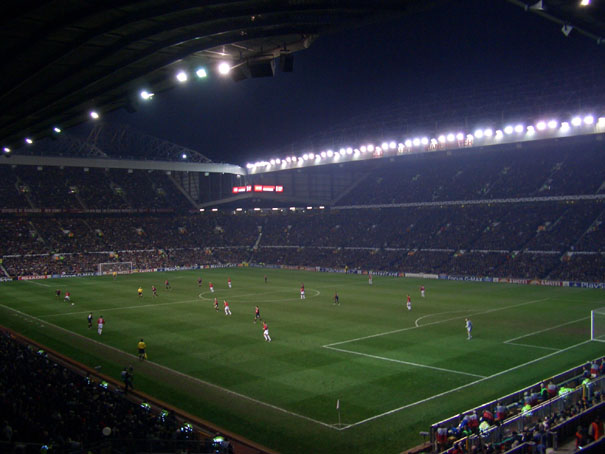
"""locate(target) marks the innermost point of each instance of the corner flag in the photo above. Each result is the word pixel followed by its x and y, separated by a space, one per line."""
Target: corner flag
pixel 338 404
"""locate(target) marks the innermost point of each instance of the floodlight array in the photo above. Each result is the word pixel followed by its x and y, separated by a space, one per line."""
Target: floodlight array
pixel 181 77
pixel 483 136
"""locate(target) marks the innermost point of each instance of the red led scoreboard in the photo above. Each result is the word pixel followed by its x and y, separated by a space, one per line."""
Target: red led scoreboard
pixel 257 188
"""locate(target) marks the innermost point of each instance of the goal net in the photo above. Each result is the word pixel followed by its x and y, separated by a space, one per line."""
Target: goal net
pixel 115 267
pixel 597 324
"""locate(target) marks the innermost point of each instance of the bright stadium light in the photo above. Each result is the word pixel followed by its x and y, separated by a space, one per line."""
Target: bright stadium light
pixel 323 154
pixel 601 122
pixel 277 161
pixel 238 209
pixel 202 210
pixel 441 138
pixel 499 134
pixel 392 145
pixel 306 156
pixel 57 130
pixel 224 68
pixel 565 126
pixel 384 145
pixel 184 156
pixel 459 136
pixel 576 121
pixel 215 209
pixel 363 148
pixel 201 73
pixel 479 133
pixel 416 141
pixel 356 152
pixel 342 152
pixel 6 150
pixel 552 124
pixel 370 148
pixel 94 114
pixel 288 159
pixel 249 166
pixel 424 141
pixel 531 130
pixel 509 129
pixel 311 155
pixel 349 150
pixel 182 76
pixel 145 95
pixel 272 162
pixel 519 129
pixel 584 2
pixel 588 120
pixel 470 137
pixel 28 141
pixel 541 125
pixel 451 137
pixel 488 132
pixel 329 153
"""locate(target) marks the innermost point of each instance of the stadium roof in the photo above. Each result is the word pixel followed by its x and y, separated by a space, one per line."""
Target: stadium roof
pixel 63 58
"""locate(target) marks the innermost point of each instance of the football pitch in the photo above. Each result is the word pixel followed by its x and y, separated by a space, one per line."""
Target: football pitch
pixel 393 371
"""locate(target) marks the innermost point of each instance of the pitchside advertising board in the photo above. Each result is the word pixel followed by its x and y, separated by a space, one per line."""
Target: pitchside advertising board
pixel 257 188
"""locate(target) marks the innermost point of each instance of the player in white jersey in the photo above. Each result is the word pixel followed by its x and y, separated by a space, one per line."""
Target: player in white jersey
pixel 469 328
pixel 227 310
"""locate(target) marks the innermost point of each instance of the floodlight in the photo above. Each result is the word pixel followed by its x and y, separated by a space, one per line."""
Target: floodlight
pixel 201 73
pixel 224 68
pixel 317 158
pixel 309 208
pixel 356 152
pixel 277 160
pixel 342 152
pixel 378 150
pixel 499 134
pixel 6 150
pixel 238 209
pixel 424 141
pixel 451 137
pixel 370 148
pixel 215 209
pixel 479 133
pixel 552 124
pixel 57 130
pixel 145 95
pixel 601 122
pixel 416 141
pixel 305 156
pixel 384 146
pixel 272 162
pixel 441 138
pixel 202 210
pixel 184 156
pixel 588 120
pixel 508 130
pixel 311 155
pixel 576 121
pixel 460 136
pixel 470 137
pixel 392 145
pixel 564 126
pixel 257 209
pixel 330 153
pixel 363 148
pixel 541 126
pixel 323 154
pixel 531 130
pixel 94 115
pixel 488 132
pixel 519 129
pixel 182 76
pixel 288 159
pixel 28 141
pixel 434 141
pixel 584 2
pixel 408 143
pixel 321 207
pixel 249 166
pixel 300 159
pixel 349 150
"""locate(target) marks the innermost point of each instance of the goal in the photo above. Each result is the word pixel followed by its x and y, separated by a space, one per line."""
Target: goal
pixel 597 324
pixel 117 267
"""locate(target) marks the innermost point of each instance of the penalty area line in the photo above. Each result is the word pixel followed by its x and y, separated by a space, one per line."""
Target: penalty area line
pixel 176 372
pixel 444 393
pixel 508 341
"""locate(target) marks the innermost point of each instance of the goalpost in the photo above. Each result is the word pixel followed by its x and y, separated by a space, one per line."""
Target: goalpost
pixel 597 324
pixel 117 267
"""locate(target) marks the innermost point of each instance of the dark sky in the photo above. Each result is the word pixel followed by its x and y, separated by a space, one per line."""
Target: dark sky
pixel 360 71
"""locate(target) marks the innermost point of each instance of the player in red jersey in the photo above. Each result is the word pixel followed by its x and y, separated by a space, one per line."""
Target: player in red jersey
pixel 422 291
pixel 211 287
pixel 154 290
pixel 227 310
pixel 266 332
pixel 167 285
pixel 100 325
pixel 229 282
pixel 370 278
pixel 67 298
pixel 302 291
pixel 216 304
pixel 409 303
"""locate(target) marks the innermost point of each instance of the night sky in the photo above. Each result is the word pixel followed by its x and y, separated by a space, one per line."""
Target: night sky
pixel 345 77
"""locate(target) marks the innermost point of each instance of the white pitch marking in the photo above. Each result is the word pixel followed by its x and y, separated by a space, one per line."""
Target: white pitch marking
pixel 546 329
pixel 407 362
pixel 432 315
pixel 532 346
pixel 432 323
pixel 497 374
pixel 37 283
pixel 212 385
pixel 120 308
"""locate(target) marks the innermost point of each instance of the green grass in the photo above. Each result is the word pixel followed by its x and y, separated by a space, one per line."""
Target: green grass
pixel 384 363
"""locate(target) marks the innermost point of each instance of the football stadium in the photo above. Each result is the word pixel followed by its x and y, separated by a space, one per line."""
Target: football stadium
pixel 307 272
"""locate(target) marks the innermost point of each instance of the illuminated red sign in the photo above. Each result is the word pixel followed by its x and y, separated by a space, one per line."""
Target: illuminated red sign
pixel 257 188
